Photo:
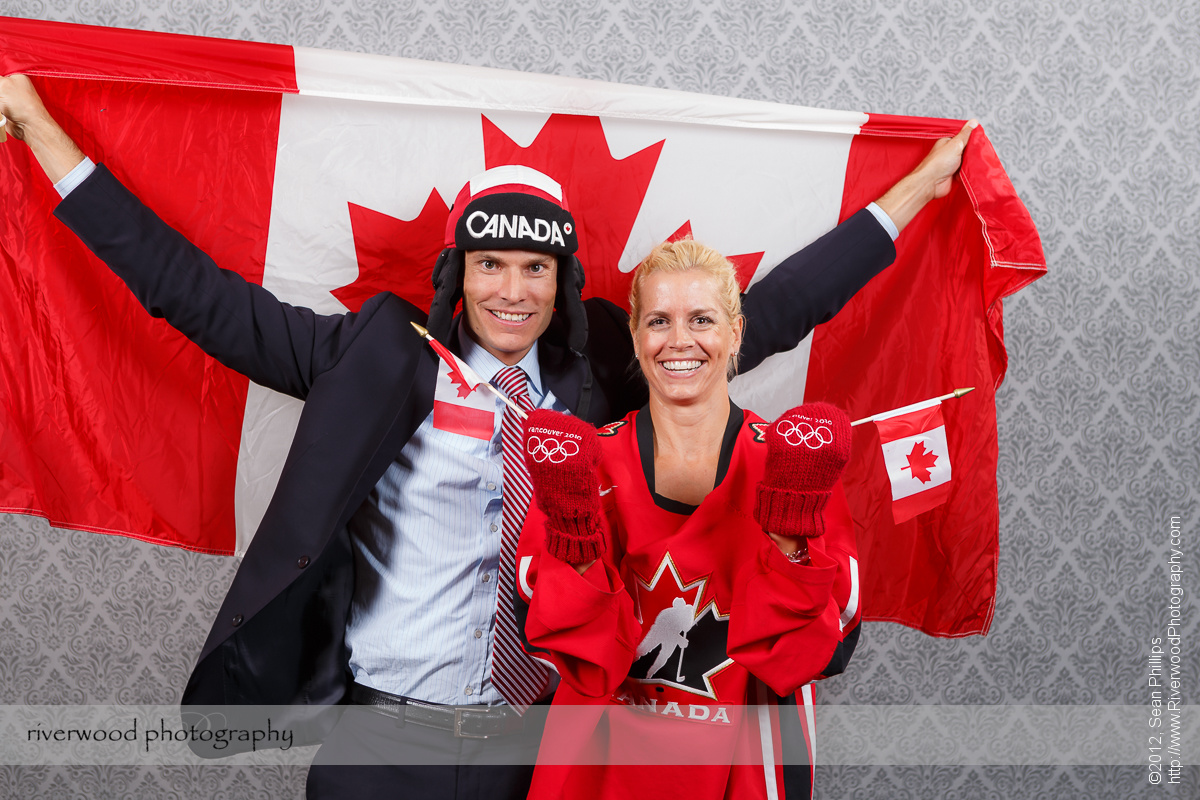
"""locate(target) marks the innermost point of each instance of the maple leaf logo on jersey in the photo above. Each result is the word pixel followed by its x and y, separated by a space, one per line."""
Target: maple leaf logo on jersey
pixel 684 646
pixel 611 428
pixel 604 194
pixel 920 461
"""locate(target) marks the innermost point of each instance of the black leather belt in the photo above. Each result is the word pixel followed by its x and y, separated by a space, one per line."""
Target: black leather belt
pixel 465 722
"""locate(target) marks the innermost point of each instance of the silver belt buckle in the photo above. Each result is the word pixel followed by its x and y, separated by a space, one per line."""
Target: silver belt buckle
pixel 458 722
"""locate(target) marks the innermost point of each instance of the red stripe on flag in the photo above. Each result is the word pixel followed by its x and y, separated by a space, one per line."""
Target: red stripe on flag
pixel 910 424
pixel 929 321
pixel 906 508
pixel 55 49
pixel 110 420
pixel 463 420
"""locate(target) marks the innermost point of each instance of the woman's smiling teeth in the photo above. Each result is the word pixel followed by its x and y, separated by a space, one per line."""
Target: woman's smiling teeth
pixel 681 366
pixel 510 317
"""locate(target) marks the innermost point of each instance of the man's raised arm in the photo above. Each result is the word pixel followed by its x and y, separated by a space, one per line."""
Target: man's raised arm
pixel 239 323
pixel 811 285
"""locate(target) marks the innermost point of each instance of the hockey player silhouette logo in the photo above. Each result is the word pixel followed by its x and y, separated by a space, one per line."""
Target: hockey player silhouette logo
pixel 683 647
pixel 668 634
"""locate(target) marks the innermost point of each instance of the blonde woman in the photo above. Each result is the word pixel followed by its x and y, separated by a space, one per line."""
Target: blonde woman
pixel 687 569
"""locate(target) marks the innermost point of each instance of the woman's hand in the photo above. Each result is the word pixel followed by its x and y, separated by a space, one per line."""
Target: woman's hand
pixel 563 454
pixel 807 449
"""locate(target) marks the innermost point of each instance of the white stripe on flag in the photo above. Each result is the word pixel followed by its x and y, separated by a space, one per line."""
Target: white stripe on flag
pixel 776 385
pixel 778 191
pixel 268 427
pixel 402 81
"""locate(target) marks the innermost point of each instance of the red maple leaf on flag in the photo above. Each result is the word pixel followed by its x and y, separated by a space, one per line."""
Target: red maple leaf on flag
pixel 464 386
pixel 395 255
pixel 456 370
pixel 744 265
pixel 920 461
pixel 604 194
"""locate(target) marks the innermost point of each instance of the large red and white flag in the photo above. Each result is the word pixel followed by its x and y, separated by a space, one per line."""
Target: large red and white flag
pixel 325 176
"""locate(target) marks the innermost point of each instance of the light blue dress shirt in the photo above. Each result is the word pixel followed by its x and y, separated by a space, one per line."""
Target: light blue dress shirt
pixel 427 546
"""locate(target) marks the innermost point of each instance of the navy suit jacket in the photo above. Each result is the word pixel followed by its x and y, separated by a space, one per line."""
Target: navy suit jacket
pixel 367 381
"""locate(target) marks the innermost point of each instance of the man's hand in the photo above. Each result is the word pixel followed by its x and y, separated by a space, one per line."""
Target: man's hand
pixel 27 119
pixel 930 180
pixel 20 104
pixel 562 454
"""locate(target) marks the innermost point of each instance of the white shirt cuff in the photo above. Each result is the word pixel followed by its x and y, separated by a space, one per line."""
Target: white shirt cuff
pixel 883 218
pixel 75 177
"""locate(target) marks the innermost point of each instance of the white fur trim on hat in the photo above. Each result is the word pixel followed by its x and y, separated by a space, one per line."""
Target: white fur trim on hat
pixel 516 174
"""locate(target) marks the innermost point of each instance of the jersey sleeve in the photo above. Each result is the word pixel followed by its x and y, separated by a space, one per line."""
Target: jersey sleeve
pixel 789 622
pixel 583 625
pixel 841 546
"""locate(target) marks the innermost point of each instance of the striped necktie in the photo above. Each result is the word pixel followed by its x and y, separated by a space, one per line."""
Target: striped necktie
pixel 518 677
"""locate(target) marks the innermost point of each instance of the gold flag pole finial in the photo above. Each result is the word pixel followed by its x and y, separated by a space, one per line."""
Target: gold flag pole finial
pixel 424 332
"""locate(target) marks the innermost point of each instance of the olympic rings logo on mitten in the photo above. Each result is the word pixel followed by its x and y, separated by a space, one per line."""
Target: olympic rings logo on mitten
pixel 803 433
pixel 550 449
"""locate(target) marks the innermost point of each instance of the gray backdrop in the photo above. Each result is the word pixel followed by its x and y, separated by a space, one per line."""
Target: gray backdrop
pixel 1093 108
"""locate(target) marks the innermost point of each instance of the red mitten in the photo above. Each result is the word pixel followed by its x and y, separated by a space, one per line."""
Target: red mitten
pixel 807 449
pixel 562 454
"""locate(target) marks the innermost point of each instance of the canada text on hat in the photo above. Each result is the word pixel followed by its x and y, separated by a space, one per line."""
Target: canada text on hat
pixel 512 207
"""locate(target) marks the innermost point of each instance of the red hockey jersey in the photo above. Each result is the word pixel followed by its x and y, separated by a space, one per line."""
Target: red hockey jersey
pixel 692 642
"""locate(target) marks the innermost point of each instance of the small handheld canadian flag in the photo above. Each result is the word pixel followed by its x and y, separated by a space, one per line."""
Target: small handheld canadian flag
pixel 457 407
pixel 916 455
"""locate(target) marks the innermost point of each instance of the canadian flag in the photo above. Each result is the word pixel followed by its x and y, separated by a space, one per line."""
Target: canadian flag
pixel 459 406
pixel 917 457
pixel 325 176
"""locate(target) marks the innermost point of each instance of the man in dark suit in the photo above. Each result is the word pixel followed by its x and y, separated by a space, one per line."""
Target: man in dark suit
pixel 374 576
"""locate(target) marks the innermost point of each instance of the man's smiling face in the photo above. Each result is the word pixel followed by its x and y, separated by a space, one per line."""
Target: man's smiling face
pixel 508 297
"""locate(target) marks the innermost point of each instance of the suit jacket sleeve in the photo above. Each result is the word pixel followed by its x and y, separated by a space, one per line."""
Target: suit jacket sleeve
pixel 810 286
pixel 240 324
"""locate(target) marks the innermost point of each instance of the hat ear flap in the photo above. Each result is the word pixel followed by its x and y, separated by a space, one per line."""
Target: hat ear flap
pixel 578 273
pixel 447 291
pixel 570 303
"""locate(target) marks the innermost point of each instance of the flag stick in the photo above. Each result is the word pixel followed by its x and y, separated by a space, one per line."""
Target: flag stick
pixel 424 333
pixel 947 396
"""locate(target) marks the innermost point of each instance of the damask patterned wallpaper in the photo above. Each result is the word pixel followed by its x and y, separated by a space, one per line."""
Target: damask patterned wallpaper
pixel 1093 106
